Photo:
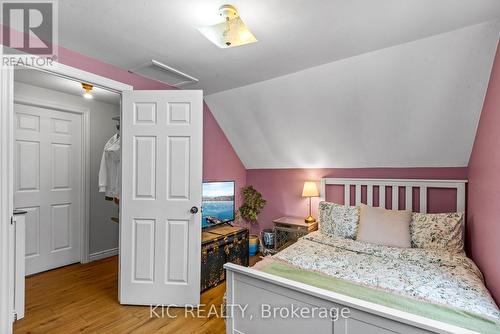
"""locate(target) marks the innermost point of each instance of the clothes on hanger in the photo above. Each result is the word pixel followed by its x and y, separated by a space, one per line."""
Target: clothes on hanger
pixel 109 172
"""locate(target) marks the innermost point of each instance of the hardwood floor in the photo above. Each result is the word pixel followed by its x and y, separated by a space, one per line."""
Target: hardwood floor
pixel 83 299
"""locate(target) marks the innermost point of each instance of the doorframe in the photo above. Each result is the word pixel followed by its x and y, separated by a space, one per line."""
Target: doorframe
pixel 6 202
pixel 84 221
pixel 7 164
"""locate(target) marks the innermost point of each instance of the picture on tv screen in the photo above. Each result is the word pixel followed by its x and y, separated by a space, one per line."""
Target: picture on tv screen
pixel 218 203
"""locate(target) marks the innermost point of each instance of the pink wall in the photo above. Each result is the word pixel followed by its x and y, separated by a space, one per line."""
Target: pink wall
pixel 282 188
pixel 483 219
pixel 220 161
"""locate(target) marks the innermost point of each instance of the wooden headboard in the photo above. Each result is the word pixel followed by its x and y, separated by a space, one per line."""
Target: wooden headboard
pixel 459 185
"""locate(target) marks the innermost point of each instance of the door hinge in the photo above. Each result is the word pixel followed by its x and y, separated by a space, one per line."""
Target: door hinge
pixel 15 316
pixel 11 220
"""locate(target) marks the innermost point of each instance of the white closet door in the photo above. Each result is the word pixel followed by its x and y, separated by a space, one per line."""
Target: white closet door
pixel 47 184
pixel 160 232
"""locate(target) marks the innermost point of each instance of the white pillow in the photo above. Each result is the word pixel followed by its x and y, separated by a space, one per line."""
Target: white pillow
pixel 384 227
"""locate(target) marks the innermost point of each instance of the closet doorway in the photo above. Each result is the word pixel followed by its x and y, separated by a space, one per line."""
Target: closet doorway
pixel 59 137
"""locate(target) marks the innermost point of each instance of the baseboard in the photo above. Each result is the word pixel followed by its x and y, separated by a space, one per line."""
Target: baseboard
pixel 103 254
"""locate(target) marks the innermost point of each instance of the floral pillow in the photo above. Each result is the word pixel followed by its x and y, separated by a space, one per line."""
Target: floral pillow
pixel 338 220
pixel 437 231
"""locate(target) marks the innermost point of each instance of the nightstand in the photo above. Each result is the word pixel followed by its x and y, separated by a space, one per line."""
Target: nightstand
pixel 288 229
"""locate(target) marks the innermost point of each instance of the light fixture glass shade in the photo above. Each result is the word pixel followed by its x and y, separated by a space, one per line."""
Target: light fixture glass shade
pixel 229 33
pixel 310 189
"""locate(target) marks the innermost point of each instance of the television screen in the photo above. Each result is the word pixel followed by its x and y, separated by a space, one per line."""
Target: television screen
pixel 218 203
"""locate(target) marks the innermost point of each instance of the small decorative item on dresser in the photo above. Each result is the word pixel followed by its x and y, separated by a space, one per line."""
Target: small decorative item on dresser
pixel 310 190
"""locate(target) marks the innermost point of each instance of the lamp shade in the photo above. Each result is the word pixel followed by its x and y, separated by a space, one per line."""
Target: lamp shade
pixel 310 189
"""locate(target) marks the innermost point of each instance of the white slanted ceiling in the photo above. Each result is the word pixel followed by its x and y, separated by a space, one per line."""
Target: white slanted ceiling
pixel 414 104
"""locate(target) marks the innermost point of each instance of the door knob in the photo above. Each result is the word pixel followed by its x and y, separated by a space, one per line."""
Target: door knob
pixel 194 210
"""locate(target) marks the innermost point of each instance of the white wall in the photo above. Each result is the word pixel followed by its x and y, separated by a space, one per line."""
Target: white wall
pixel 412 105
pixel 103 232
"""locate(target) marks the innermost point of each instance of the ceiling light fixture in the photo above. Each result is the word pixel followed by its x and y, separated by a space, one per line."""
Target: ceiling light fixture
pixel 88 88
pixel 231 32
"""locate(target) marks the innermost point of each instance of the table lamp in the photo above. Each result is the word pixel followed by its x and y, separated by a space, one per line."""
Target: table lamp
pixel 310 190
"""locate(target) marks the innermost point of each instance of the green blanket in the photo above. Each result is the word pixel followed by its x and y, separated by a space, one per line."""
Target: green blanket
pixel 433 311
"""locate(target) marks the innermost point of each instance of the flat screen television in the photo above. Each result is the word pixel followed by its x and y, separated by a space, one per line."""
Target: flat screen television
pixel 217 205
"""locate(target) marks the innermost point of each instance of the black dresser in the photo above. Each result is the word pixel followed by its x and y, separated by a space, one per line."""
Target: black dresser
pixel 221 244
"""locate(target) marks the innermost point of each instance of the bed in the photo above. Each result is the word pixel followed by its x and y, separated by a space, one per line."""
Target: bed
pixel 365 288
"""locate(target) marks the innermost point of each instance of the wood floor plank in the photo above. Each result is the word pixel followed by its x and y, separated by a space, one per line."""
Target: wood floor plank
pixel 84 299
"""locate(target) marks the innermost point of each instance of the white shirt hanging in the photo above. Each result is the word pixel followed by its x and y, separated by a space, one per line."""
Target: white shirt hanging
pixel 109 172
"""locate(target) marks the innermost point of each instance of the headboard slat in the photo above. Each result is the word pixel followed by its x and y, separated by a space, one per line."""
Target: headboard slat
pixel 381 196
pixel 423 199
pixel 369 195
pixel 408 198
pixel 358 194
pixel 395 197
pixel 347 194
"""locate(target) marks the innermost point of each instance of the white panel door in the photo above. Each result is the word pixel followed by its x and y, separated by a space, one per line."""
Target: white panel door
pixel 160 232
pixel 47 184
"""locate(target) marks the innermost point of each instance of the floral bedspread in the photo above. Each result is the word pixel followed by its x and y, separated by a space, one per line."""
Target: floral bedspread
pixel 429 275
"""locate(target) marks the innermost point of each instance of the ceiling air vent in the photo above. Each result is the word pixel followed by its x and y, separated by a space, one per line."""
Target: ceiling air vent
pixel 164 73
